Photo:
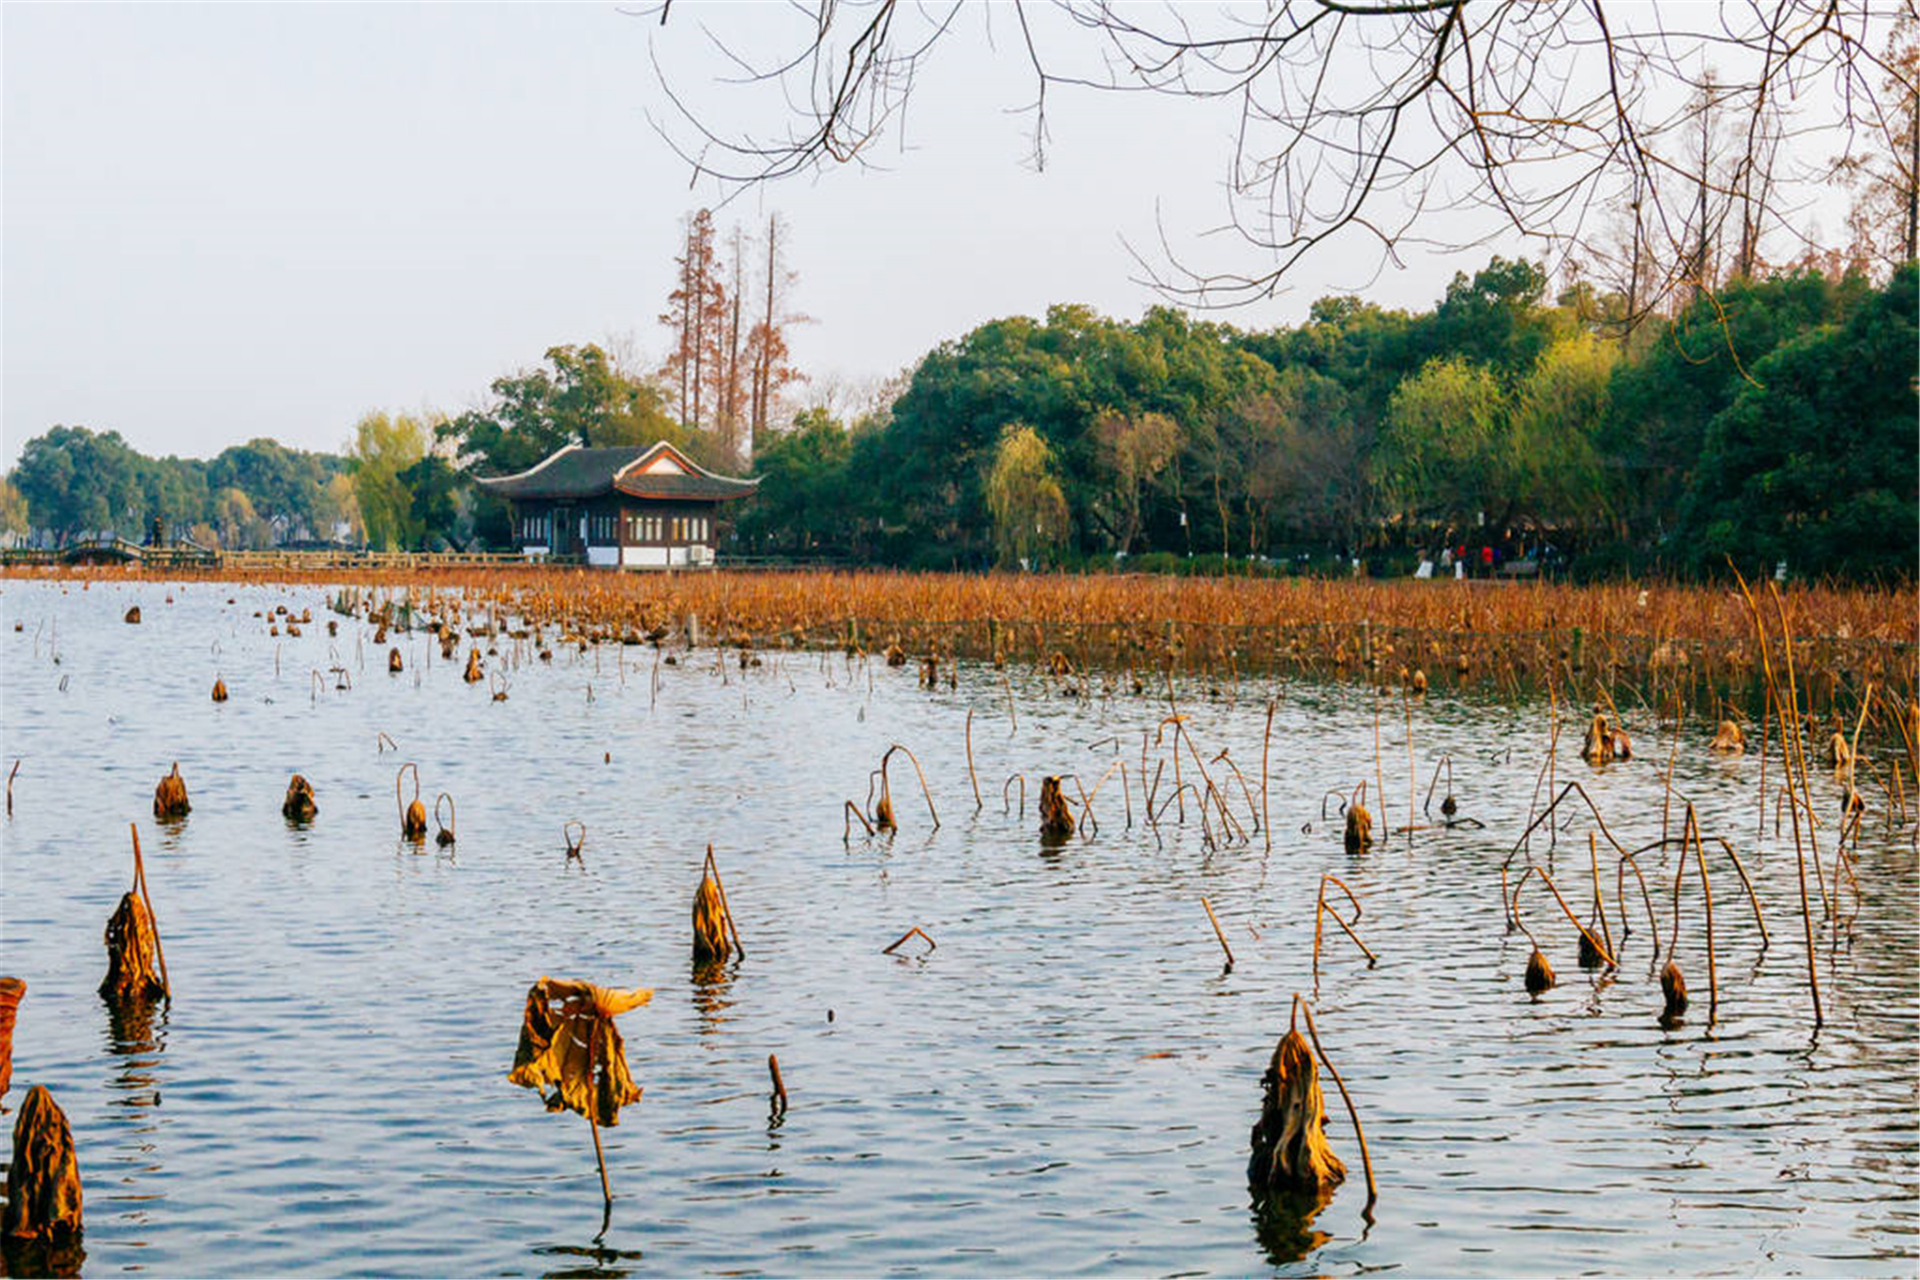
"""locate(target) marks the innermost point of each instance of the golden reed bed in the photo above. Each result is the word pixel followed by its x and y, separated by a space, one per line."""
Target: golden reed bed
pixel 1663 646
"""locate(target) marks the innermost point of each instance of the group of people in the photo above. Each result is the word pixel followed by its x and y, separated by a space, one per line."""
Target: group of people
pixel 1464 561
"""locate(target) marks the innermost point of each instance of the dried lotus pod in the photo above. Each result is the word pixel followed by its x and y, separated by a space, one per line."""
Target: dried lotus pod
pixel 1419 684
pixel 1539 974
pixel 1839 754
pixel 170 796
pixel 11 989
pixel 43 1180
pixel 445 835
pixel 1598 746
pixel 1622 745
pixel 1359 828
pixel 299 805
pixel 133 616
pixel 394 664
pixel 133 953
pixel 1674 988
pixel 413 817
pixel 883 819
pixel 1056 815
pixel 474 672
pixel 710 942
pixel 1290 1150
pixel 219 689
pixel 1729 740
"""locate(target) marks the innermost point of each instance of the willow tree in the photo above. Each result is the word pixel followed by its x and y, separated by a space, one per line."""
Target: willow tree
pixel 1023 493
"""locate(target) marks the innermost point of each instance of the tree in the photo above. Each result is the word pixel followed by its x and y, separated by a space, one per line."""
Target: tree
pixel 78 481
pixel 1029 511
pixel 1815 461
pixel 806 498
pixel 336 510
pixel 13 510
pixel 697 311
pixel 767 351
pixel 1441 451
pixel 1885 219
pixel 383 446
pixel 1133 451
pixel 1553 466
pixel 1512 115
pixel 239 527
pixel 281 483
pixel 438 507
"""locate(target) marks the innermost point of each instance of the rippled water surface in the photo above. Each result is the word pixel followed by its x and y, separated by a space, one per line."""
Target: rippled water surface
pixel 1065 1085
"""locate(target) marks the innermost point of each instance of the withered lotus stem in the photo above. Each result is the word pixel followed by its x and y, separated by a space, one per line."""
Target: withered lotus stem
pixel 43 1181
pixel 170 796
pixel 1674 988
pixel 1622 745
pixel 1290 1150
pixel 1056 816
pixel 299 805
pixel 1539 974
pixel 1359 828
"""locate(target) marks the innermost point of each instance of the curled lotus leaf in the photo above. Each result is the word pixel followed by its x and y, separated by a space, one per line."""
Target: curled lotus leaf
pixel 571 1050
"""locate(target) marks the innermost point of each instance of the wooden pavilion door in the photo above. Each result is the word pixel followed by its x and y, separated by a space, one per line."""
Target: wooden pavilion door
pixel 560 530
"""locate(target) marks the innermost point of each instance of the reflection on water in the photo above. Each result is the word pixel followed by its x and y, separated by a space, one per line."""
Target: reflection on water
pixel 602 1262
pixel 711 981
pixel 63 1258
pixel 137 1033
pixel 1064 1085
pixel 1283 1225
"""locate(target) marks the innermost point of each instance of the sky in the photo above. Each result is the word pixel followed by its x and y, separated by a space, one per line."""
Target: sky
pixel 222 222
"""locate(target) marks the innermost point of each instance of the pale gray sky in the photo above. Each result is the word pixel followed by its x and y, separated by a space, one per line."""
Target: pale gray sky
pixel 229 221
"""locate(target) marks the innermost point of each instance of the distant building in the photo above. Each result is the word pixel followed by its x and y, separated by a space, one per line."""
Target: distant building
pixel 629 507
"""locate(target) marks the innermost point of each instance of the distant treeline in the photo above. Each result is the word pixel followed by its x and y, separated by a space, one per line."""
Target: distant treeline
pixel 1768 420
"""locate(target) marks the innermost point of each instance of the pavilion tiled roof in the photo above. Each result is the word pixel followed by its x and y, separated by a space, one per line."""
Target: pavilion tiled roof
pixel 578 472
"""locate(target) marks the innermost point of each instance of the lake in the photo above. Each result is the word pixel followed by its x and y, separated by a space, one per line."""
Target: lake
pixel 1064 1085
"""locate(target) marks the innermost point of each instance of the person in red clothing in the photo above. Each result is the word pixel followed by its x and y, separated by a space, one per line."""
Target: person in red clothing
pixel 1486 561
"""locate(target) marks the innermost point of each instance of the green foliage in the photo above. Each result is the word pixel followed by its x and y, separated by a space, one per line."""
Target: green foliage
pixel 1815 461
pixel 803 506
pixel 1029 511
pixel 1443 450
pixel 13 509
pixel 384 446
pixel 1771 420
pixel 76 482
pixel 579 396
